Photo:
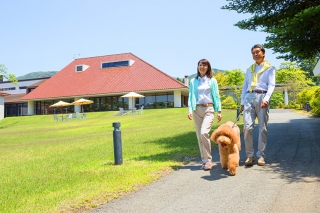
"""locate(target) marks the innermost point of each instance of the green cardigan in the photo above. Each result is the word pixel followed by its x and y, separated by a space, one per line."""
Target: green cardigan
pixel 193 94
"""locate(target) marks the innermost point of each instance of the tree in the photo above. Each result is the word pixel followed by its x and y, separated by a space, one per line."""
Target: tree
pixel 235 80
pixel 293 25
pixel 235 77
pixel 221 79
pixel 308 66
pixel 294 78
pixel 5 74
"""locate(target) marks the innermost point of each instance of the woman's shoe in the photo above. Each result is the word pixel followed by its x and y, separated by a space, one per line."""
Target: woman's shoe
pixel 207 166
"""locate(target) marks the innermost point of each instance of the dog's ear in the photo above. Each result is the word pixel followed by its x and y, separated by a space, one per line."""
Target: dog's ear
pixel 216 134
pixel 230 133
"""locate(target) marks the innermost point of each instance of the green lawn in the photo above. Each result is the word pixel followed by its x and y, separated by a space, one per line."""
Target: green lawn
pixel 54 166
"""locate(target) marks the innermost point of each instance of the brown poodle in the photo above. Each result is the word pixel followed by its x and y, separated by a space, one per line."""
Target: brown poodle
pixel 227 136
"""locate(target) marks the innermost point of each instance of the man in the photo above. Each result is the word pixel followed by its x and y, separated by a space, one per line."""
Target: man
pixel 257 89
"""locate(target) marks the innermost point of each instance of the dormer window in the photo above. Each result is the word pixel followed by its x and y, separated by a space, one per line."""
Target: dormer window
pixel 81 67
pixel 113 64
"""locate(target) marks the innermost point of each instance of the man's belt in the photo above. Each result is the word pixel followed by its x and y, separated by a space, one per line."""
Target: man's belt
pixel 258 91
pixel 205 105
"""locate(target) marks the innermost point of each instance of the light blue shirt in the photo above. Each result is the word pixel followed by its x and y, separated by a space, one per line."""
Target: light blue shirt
pixel 204 91
pixel 193 94
pixel 266 82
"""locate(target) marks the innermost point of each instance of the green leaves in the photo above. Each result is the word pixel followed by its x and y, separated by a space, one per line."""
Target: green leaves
pixel 293 25
pixel 5 74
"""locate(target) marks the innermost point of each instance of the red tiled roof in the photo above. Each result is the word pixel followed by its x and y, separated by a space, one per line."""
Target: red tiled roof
pixel 140 76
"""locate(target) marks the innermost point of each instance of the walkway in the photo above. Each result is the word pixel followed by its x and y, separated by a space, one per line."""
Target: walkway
pixel 290 181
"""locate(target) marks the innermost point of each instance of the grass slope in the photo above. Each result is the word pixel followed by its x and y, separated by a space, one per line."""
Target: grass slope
pixel 50 166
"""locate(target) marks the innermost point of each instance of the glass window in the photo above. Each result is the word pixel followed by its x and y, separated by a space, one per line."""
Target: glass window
pixel 115 64
pixel 161 100
pixel 150 100
pixel 170 100
pixel 79 68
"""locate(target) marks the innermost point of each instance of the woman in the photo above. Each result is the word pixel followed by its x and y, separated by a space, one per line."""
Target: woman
pixel 204 100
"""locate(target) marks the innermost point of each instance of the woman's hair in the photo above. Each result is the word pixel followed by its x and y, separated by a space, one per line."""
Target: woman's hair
pixel 209 71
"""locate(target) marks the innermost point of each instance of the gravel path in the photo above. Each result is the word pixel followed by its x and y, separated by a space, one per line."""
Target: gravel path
pixel 289 182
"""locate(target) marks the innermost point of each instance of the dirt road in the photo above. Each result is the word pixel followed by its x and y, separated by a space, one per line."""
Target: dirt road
pixel 289 182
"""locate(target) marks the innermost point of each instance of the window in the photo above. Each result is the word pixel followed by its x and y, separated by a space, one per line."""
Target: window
pixel 23 87
pixel 6 89
pixel 81 67
pixel 113 64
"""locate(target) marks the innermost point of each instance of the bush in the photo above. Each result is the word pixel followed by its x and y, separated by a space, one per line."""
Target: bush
pixel 292 105
pixel 315 102
pixel 280 106
pixel 276 100
pixel 228 103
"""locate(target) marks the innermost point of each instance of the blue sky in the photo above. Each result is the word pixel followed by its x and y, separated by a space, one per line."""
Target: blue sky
pixel 173 36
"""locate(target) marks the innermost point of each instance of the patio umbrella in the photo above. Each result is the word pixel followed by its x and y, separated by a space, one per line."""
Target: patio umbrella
pixel 60 104
pixel 132 95
pixel 82 102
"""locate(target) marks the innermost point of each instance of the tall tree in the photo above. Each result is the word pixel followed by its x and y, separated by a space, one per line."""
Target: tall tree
pixel 5 74
pixel 295 79
pixel 235 77
pixel 293 25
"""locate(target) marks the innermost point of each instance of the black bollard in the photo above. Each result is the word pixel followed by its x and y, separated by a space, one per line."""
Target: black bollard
pixel 307 107
pixel 117 143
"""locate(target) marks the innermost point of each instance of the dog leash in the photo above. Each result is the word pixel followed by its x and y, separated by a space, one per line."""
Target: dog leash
pixel 239 113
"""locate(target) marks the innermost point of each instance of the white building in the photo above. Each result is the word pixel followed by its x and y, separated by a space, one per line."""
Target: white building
pixel 316 70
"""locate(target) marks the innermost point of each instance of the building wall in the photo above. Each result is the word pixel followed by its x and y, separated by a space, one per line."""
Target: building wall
pixel 316 70
pixel 1 107
pixel 20 87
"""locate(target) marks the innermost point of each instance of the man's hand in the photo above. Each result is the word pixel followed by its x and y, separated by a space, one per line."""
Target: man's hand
pixel 190 116
pixel 264 104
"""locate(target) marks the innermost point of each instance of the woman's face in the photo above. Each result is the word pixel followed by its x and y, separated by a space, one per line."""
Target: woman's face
pixel 202 68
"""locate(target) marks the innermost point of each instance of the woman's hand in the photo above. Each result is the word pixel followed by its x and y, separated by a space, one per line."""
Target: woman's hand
pixel 190 116
pixel 219 117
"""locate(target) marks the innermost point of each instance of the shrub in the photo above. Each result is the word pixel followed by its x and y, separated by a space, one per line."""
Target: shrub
pixel 280 105
pixel 292 105
pixel 276 99
pixel 315 102
pixel 229 103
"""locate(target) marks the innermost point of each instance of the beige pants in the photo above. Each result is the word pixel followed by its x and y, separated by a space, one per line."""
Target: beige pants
pixel 203 118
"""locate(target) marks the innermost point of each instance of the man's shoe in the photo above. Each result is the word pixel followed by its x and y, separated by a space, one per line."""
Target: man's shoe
pixel 261 161
pixel 249 161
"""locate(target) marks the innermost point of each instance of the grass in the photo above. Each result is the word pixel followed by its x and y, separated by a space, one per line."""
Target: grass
pixel 50 166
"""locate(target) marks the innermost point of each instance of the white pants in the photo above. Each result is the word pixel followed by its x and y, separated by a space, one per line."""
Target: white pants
pixel 203 118
pixel 252 110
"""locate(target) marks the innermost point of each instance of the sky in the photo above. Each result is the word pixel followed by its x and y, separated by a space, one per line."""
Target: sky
pixel 172 36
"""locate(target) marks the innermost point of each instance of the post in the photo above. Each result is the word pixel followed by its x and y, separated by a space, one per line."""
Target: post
pixel 117 143
pixel 307 107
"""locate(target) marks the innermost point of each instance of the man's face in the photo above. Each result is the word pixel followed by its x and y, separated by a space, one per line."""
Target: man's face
pixel 257 55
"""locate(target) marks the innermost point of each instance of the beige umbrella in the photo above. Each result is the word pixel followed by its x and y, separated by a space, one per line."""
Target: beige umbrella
pixel 82 102
pixel 132 95
pixel 60 104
